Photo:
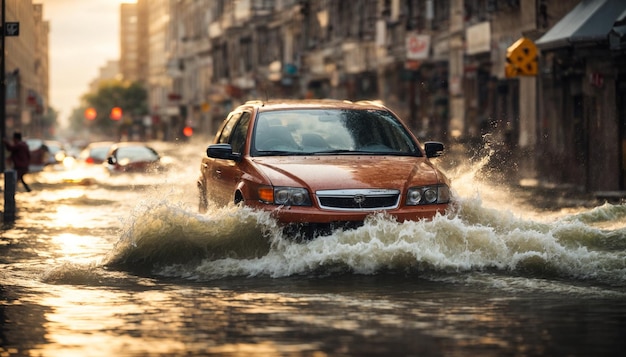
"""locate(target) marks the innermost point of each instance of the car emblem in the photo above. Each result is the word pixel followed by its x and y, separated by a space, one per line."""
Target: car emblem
pixel 359 198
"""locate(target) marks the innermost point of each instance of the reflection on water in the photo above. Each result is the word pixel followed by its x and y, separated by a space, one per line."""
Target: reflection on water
pixel 102 266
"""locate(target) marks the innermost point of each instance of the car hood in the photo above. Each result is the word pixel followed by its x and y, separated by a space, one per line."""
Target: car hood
pixel 347 172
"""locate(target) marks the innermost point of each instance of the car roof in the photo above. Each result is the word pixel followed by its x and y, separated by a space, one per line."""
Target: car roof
pixel 100 143
pixel 33 143
pixel 282 104
pixel 129 144
pixel 56 143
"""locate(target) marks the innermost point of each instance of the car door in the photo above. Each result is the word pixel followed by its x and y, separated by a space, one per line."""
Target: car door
pixel 224 175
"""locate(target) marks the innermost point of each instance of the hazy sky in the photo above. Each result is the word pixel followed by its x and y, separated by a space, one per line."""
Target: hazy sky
pixel 84 35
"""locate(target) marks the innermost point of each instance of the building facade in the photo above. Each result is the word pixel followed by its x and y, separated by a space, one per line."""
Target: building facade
pixel 27 71
pixel 440 64
pixel 129 43
pixel 110 71
pixel 583 84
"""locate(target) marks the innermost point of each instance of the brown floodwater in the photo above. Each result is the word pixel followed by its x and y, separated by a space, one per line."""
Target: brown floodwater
pixel 126 266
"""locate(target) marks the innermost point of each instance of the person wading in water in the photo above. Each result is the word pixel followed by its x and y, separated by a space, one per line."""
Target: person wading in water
pixel 20 156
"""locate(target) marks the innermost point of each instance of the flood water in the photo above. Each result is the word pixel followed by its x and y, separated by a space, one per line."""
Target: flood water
pixel 126 266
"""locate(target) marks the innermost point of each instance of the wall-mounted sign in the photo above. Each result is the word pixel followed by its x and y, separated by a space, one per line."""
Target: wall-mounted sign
pixel 417 46
pixel 11 28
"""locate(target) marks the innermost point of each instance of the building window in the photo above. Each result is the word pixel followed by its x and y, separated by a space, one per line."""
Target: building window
pixel 245 49
pixel 263 5
pixel 441 14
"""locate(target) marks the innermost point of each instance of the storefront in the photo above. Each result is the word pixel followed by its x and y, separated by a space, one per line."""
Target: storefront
pixel 583 124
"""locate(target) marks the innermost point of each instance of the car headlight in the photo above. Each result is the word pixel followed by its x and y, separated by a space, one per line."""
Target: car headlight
pixel 285 196
pixel 427 195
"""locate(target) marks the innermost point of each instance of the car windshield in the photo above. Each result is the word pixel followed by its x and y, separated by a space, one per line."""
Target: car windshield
pixel 34 144
pixel 331 131
pixel 99 152
pixel 53 147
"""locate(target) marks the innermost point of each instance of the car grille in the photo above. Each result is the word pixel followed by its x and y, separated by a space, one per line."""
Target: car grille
pixel 358 199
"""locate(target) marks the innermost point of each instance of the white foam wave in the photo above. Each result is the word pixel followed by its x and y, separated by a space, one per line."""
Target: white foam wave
pixel 174 240
pixel 446 244
pixel 241 242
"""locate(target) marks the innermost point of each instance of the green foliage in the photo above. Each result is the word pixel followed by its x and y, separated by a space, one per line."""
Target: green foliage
pixel 131 97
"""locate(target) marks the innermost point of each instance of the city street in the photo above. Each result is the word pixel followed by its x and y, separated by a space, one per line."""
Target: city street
pixel 523 249
pixel 126 266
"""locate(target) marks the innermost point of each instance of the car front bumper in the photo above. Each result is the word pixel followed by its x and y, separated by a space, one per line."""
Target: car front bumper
pixel 312 214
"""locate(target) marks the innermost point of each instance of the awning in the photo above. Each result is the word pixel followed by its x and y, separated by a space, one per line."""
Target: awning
pixel 617 37
pixel 589 21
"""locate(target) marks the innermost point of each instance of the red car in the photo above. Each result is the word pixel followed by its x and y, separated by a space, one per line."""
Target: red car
pixel 95 153
pixel 321 164
pixel 132 157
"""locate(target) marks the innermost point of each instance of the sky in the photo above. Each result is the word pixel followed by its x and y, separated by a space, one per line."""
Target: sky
pixel 84 35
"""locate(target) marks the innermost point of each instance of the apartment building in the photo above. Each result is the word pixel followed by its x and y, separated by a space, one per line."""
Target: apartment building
pixel 27 71
pixel 110 71
pixel 129 43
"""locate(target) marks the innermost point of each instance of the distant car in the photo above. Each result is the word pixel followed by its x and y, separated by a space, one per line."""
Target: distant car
pixel 57 152
pixel 132 157
pixel 46 152
pixel 320 164
pixel 95 153
pixel 39 154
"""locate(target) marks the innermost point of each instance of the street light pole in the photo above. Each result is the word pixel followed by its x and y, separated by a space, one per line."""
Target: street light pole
pixel 9 175
pixel 3 86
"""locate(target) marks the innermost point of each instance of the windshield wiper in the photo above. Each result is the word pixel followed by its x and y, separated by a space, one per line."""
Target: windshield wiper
pixel 361 152
pixel 331 152
pixel 277 153
pixel 336 151
pixel 351 152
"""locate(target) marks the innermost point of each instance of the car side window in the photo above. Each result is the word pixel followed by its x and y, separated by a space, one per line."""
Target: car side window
pixel 227 130
pixel 240 132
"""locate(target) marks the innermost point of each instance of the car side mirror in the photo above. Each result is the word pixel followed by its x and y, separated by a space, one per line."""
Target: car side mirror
pixel 433 148
pixel 111 160
pixel 222 151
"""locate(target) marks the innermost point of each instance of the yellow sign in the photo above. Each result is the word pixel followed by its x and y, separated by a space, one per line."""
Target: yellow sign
pixel 521 59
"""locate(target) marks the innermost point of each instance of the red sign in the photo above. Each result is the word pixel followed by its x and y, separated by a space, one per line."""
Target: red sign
pixel 596 79
pixel 412 65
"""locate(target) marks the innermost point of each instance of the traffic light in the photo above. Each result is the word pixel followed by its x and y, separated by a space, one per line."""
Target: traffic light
pixel 90 113
pixel 188 131
pixel 116 113
pixel 521 59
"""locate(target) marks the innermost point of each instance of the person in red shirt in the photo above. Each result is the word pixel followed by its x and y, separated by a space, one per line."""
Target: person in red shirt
pixel 20 156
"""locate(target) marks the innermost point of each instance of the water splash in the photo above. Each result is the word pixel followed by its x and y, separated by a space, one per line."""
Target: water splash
pixel 163 233
pixel 173 241
pixel 486 230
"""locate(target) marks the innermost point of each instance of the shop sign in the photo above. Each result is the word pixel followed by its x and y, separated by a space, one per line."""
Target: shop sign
pixel 11 29
pixel 417 46
pixel 478 38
